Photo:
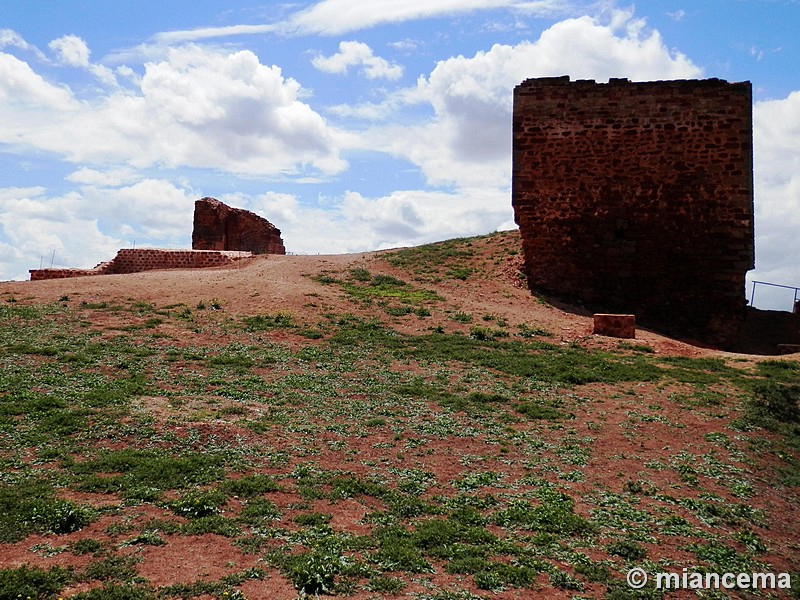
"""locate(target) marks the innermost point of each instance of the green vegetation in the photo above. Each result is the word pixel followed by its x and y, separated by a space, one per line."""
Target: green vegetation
pixel 350 456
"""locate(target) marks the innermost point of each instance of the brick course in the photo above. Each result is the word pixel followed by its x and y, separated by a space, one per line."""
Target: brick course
pixel 638 197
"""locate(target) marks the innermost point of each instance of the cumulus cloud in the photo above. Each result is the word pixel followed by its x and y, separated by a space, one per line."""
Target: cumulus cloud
pixel 88 225
pixel 23 90
pixel 41 230
pixel 358 54
pixel 196 108
pixel 72 51
pixel 468 142
pixel 357 223
pixel 776 157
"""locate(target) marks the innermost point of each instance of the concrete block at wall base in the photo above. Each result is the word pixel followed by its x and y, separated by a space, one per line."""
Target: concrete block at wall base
pixel 618 326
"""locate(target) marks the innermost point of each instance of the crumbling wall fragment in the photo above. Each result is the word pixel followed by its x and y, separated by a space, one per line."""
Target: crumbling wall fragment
pixel 218 226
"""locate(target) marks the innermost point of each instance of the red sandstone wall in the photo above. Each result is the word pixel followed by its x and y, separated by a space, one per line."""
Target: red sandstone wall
pixel 218 226
pixel 638 197
pixel 39 274
pixel 146 259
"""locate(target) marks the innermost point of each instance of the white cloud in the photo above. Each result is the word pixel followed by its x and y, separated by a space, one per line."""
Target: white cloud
pixel 21 87
pixel 71 50
pixel 358 54
pixel 355 223
pixel 776 160
pixel 407 46
pixel 335 17
pixel 203 33
pixel 196 108
pixel 112 177
pixel 677 15
pixel 88 225
pixel 43 231
pixel 468 143
pixel 150 209
pixel 11 39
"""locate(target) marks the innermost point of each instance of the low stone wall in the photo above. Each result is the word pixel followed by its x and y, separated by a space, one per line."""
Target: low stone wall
pixel 39 274
pixel 134 260
pixel 148 259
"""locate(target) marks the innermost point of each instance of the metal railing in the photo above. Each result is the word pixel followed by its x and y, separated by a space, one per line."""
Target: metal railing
pixel 778 285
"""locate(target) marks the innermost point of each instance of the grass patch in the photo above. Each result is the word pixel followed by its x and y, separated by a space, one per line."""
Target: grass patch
pixel 29 507
pixel 129 468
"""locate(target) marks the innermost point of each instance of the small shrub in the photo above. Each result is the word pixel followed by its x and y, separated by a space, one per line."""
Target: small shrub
pixel 461 273
pixel 312 572
pixel 325 279
pixel 153 322
pixel 59 516
pixel 250 486
pixel 32 582
pixel 312 519
pixel 271 321
pixel 197 504
pixel 565 581
pixel 777 401
pixel 87 546
pixel 635 347
pixel 211 524
pixel 386 585
pixel 115 591
pixel 117 568
pixel 627 549
pixel 360 274
pixel 539 411
pixel 258 510
pixel 382 280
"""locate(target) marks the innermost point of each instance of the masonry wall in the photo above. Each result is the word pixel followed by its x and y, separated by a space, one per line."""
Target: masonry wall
pixel 130 260
pixel 218 226
pixel 39 274
pixel 638 197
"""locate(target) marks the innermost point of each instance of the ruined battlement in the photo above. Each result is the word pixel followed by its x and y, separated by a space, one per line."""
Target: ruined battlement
pixel 638 197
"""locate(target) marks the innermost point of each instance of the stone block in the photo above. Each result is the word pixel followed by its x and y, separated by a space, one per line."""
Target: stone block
pixel 618 326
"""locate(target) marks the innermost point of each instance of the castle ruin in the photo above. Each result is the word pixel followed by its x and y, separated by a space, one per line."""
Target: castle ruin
pixel 638 197
pixel 218 226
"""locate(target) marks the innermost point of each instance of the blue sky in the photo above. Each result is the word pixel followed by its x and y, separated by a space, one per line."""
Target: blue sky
pixel 351 125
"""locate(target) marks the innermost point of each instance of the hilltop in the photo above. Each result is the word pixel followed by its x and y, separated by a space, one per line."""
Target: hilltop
pixel 403 423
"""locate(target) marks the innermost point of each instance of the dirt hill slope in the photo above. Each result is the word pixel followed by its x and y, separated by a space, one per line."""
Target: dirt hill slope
pixel 410 424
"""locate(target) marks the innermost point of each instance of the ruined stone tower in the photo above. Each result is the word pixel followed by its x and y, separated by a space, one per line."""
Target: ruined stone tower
pixel 218 226
pixel 638 197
